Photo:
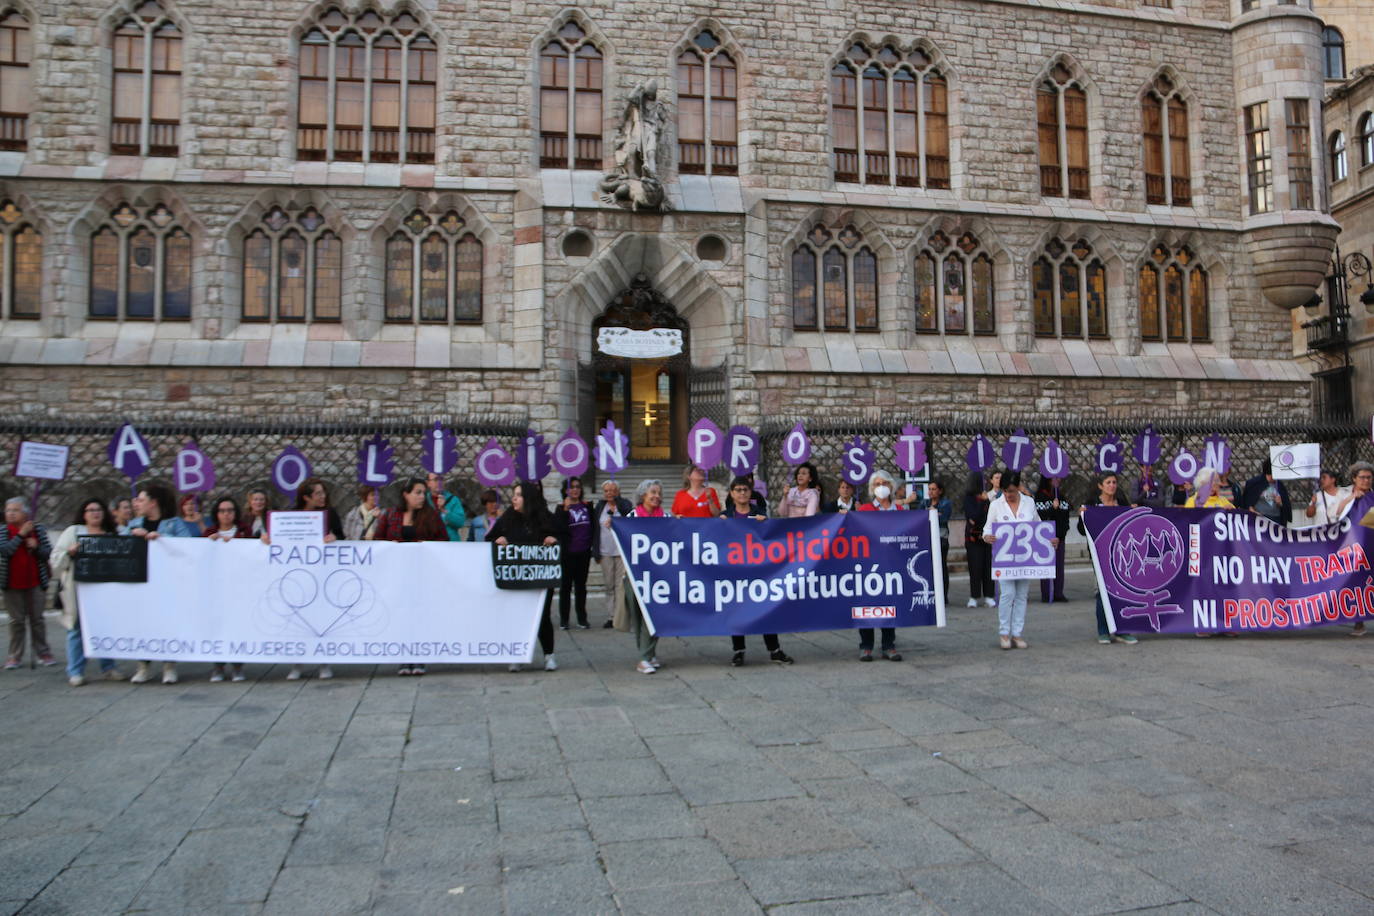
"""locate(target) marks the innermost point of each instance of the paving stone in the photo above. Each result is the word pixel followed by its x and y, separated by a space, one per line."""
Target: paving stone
pixel 321 888
pixel 233 866
pixel 912 772
pixel 27 864
pixel 721 898
pixel 1073 794
pixel 977 889
pixel 610 778
pixel 818 876
pixel 753 830
pixel 643 817
pixel 906 903
pixel 709 769
pixel 654 863
pixel 92 889
pixel 578 887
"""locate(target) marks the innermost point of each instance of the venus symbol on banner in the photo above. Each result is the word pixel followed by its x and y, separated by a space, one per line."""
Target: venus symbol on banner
pixel 193 471
pixel 612 449
pixel 570 455
pixel 1145 553
pixel 705 444
pixel 532 457
pixel 439 450
pixel 981 454
pixel 911 449
pixel 859 461
pixel 376 461
pixel 289 471
pixel 1107 455
pixel 743 450
pixel 128 452
pixel 493 466
pixel 796 446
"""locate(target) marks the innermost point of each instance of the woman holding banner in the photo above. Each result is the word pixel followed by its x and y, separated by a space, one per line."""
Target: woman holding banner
pixel 414 520
pixel 313 496
pixel 1361 483
pixel 255 512
pixel 846 500
pixel 648 504
pixel 226 525
pixel 696 499
pixel 527 521
pixel 93 518
pixel 1012 506
pixel 574 516
pixel 743 506
pixel 189 519
pixel 1108 494
pixel 360 524
pixel 156 505
pixel 882 492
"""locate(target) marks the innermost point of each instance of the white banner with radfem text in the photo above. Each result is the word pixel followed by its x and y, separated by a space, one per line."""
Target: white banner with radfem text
pixel 349 602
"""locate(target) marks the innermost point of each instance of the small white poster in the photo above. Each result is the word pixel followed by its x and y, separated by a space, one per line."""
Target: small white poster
pixel 1296 462
pixel 38 459
pixel 651 344
pixel 296 529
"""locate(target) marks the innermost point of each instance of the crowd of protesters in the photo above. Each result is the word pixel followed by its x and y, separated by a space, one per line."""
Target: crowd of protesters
pixel 426 510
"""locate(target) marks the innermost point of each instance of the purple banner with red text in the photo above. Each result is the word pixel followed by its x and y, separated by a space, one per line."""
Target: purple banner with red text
pixel 1218 570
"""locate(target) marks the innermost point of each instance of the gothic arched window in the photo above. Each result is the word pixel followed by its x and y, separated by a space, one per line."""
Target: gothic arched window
pixel 368 89
pixel 889 118
pixel 292 269
pixel 1167 169
pixel 707 98
pixel 433 271
pixel 1333 53
pixel 1174 297
pixel 1061 113
pixel 841 295
pixel 146 114
pixel 1069 292
pixel 570 76
pixel 21 262
pixel 140 265
pixel 955 291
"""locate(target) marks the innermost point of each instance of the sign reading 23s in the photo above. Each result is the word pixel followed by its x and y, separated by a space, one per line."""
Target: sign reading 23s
pixel 1023 550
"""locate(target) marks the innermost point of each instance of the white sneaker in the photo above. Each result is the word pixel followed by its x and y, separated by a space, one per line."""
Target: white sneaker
pixel 973 602
pixel 169 673
pixel 549 663
pixel 989 602
pixel 514 668
pixel 237 676
pixel 216 677
pixel 326 672
pixel 656 663
pixel 645 668
pixel 294 674
pixel 141 674
pixel 76 680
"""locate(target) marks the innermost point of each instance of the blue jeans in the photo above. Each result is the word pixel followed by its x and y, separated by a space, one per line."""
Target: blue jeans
pixel 1011 606
pixel 76 655
pixel 1101 618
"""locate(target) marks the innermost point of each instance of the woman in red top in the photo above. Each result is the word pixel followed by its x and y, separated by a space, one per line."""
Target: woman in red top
pixel 414 520
pixel 882 489
pixel 695 499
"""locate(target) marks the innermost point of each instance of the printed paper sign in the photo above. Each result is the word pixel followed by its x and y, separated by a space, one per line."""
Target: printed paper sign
pixel 1022 550
pixel 296 529
pixel 38 459
pixel 1296 462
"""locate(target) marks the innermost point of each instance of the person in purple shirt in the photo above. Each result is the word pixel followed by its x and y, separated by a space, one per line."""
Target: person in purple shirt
pixel 575 517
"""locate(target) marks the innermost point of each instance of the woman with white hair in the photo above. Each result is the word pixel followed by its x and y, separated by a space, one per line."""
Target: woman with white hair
pixel 648 504
pixel 1361 483
pixel 24 552
pixel 1207 484
pixel 882 498
pixel 1011 506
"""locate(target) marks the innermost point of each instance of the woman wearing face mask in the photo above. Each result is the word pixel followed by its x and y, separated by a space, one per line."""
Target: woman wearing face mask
pixel 883 493
pixel 1012 506
pixel 1108 494
pixel 528 521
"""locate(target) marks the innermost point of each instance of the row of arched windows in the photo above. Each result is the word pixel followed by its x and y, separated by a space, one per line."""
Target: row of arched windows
pixel 1364 145
pixel 834 286
pixel 368 92
pixel 292 268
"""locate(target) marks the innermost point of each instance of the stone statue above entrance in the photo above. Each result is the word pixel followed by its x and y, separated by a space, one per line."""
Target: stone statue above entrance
pixel 635 182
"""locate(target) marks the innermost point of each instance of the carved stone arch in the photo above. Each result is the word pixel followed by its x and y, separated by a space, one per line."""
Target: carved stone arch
pixel 34 214
pixel 383 8
pixel 23 8
pixel 116 13
pixel 723 32
pixel 139 196
pixel 584 22
pixel 1077 72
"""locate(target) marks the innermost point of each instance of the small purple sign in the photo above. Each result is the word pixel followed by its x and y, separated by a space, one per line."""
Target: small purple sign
pixel 289 471
pixel 1017 451
pixel 532 457
pixel 796 447
pixel 1054 461
pixel 376 461
pixel 494 467
pixel 857 462
pixel 911 449
pixel 128 452
pixel 1107 455
pixel 1022 550
pixel 743 449
pixel 982 454
pixel 1183 468
pixel 612 450
pixel 570 456
pixel 193 471
pixel 439 450
pixel 705 444
pixel 1146 447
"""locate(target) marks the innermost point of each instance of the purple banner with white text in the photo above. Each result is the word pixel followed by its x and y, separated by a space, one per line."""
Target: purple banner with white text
pixel 1183 571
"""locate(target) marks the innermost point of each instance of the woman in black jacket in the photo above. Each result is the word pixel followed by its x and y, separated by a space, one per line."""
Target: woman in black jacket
pixel 527 521
pixel 978 551
pixel 1108 494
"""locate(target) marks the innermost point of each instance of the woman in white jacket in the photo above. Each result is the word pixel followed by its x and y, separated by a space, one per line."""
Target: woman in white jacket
pixel 1011 506
pixel 94 518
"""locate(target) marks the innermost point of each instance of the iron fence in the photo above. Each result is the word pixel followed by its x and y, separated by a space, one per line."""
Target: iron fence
pixel 242 453
pixel 948 440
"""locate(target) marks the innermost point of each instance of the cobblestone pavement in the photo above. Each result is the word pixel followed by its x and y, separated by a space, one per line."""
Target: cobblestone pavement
pixel 1175 776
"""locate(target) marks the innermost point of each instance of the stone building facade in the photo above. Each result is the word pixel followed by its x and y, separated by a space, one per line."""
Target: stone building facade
pixel 222 238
